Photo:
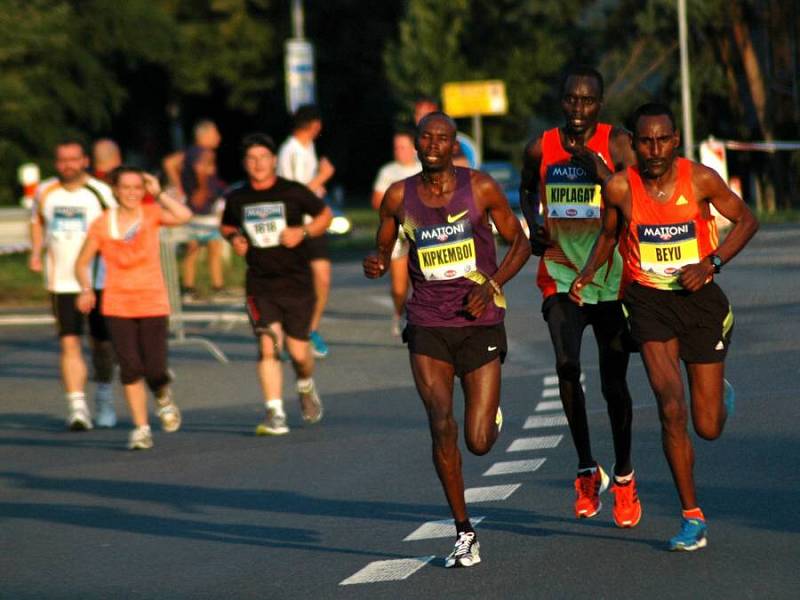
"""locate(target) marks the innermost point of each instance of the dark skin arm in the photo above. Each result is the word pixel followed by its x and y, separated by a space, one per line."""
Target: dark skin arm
pixel 709 186
pixel 376 265
pixel 617 199
pixel 490 199
pixel 621 153
pixel 529 196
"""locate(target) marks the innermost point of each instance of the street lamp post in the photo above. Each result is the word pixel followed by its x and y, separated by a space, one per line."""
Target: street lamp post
pixel 686 94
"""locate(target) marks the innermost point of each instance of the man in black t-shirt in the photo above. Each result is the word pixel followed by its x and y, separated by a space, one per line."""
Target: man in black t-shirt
pixel 263 221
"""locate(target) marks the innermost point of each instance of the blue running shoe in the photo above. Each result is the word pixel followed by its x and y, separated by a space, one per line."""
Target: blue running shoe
pixel 729 397
pixel 318 346
pixel 691 537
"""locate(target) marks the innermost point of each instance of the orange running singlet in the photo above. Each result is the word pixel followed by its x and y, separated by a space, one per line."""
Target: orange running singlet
pixel 663 237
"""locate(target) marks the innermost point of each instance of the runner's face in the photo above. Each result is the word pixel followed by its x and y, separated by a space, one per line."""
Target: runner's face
pixel 581 103
pixel 130 190
pixel 205 166
pixel 404 152
pixel 259 163
pixel 655 142
pixel 71 163
pixel 435 144
pixel 423 108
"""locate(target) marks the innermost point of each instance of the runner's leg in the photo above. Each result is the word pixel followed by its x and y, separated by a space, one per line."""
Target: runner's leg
pixel 482 397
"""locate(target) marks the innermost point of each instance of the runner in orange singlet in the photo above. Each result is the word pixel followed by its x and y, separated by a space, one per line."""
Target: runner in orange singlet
pixel 563 170
pixel 661 210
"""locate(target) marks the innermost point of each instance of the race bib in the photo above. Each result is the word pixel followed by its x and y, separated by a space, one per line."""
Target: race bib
pixel 571 193
pixel 264 223
pixel 68 220
pixel 665 249
pixel 446 251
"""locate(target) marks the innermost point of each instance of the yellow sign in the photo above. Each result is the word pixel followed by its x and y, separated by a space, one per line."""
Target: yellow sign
pixel 467 98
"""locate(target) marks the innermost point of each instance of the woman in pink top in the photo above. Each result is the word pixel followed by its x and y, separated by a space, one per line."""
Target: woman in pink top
pixel 135 301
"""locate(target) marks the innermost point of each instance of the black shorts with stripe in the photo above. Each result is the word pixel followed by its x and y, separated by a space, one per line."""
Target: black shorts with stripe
pixel 702 321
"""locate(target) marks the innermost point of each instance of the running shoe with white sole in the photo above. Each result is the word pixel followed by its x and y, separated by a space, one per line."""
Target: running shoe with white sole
pixel 140 438
pixel 168 411
pixel 466 552
pixel 627 508
pixel 79 419
pixel 498 419
pixel 691 537
pixel 274 424
pixel 310 404
pixel 318 346
pixel 588 487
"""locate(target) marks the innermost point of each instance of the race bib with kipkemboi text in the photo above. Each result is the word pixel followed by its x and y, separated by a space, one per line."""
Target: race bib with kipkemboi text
pixel 264 223
pixel 571 193
pixel 446 251
pixel 665 249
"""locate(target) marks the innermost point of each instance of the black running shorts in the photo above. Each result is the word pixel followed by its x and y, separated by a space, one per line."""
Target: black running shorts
pixel 317 247
pixel 293 313
pixel 466 348
pixel 702 321
pixel 69 320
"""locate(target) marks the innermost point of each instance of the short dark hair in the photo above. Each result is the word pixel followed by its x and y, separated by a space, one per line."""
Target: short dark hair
pixel 650 109
pixel 121 170
pixel 404 131
pixel 258 139
pixel 438 114
pixel 72 141
pixel 580 70
pixel 305 114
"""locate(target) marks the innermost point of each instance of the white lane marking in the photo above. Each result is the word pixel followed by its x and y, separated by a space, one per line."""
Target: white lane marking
pixel 535 443
pixel 514 466
pixel 551 380
pixel 537 421
pixel 490 493
pixel 550 393
pixel 437 529
pixel 388 570
pixel 385 301
pixel 549 405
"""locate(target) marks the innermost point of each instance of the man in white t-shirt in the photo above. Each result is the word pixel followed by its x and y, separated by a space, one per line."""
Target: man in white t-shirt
pixel 63 209
pixel 405 164
pixel 297 161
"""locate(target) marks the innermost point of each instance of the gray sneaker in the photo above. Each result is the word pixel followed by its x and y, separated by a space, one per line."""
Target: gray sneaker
pixel 79 419
pixel 140 438
pixel 274 424
pixel 105 415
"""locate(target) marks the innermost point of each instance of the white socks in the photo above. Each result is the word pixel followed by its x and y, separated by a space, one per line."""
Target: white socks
pixel 276 405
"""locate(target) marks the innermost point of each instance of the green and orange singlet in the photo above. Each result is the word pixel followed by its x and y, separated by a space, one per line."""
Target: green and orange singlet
pixel 663 237
pixel 571 202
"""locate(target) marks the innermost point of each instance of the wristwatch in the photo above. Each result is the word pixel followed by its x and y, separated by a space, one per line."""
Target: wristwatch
pixel 716 262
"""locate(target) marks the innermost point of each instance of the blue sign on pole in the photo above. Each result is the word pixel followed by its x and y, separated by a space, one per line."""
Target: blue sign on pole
pixel 300 85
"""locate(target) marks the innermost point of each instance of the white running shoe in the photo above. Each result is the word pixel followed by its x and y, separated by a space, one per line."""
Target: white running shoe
pixel 79 419
pixel 168 411
pixel 310 404
pixel 466 552
pixel 105 415
pixel 140 438
pixel 274 424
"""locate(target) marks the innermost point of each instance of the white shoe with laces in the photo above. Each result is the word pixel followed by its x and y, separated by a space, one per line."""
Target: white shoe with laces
pixel 140 438
pixel 466 552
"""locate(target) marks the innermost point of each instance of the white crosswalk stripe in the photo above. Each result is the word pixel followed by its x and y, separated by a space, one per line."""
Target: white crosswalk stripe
pixel 535 443
pixel 388 570
pixel 437 529
pixel 541 421
pixel 514 466
pixel 549 405
pixel 490 493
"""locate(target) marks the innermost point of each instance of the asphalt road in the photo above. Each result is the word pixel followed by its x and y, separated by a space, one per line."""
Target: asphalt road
pixel 212 511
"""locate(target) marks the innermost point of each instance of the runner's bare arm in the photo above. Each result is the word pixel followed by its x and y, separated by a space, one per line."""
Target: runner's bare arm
pixel 616 192
pixel 621 147
pixel 529 200
pixel 375 265
pixel 293 236
pixel 37 240
pixel 175 212
pixel 86 299
pixel 236 238
pixel 491 200
pixel 710 187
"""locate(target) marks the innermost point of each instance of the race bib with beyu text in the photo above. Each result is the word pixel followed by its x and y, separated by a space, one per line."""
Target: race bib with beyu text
pixel 665 249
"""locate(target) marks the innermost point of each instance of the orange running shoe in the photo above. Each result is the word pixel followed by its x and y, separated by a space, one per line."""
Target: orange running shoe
pixel 627 508
pixel 588 487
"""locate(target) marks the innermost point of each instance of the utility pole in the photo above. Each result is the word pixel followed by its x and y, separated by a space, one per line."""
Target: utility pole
pixel 686 94
pixel 299 63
